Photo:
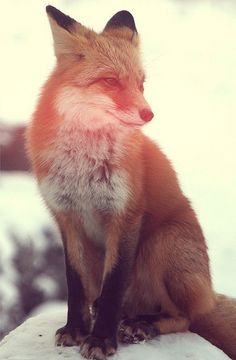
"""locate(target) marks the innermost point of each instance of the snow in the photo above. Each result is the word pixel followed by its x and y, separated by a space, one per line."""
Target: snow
pixel 23 216
pixel 22 210
pixel 24 224
pixel 34 339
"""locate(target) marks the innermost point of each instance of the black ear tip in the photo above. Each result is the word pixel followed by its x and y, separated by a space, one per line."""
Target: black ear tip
pixel 50 9
pixel 62 20
pixel 124 14
pixel 122 18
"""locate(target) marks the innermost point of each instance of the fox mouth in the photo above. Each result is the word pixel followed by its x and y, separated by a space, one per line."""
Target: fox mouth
pixel 131 124
pixel 123 122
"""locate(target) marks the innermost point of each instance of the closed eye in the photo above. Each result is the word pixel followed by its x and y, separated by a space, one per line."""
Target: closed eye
pixel 141 84
pixel 111 81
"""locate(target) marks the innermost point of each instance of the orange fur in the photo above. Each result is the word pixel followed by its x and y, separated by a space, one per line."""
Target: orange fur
pixel 166 326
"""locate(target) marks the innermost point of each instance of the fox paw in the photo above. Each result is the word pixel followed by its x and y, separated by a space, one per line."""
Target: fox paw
pixel 133 331
pixel 67 336
pixel 97 348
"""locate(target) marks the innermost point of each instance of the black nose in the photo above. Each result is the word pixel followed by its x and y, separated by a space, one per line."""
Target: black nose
pixel 146 114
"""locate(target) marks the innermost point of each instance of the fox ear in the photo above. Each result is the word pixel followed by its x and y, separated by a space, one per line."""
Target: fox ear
pixel 66 32
pixel 62 20
pixel 122 24
pixel 120 19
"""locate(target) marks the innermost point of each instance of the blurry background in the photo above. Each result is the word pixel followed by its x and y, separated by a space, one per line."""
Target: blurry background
pixel 189 52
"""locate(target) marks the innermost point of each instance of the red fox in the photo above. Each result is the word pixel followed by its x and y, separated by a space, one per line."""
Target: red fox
pixel 136 258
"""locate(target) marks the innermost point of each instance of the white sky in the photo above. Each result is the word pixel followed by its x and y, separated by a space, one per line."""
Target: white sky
pixel 189 52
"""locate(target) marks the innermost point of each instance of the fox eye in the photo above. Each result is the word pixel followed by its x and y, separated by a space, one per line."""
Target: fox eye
pixel 111 81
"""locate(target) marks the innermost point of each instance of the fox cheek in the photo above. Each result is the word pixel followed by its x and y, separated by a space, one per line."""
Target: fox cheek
pixel 87 110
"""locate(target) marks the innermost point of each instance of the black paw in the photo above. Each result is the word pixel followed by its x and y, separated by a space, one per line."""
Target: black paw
pixel 134 331
pixel 68 336
pixel 97 348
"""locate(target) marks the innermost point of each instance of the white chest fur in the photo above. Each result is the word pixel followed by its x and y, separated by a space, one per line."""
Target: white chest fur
pixel 83 177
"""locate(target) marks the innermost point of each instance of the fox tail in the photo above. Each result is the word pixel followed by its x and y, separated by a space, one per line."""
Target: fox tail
pixel 219 326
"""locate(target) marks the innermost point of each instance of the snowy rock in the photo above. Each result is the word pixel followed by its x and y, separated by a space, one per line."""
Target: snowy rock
pixel 34 340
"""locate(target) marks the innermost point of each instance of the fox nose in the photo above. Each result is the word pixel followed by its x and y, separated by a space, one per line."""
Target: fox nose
pixel 146 114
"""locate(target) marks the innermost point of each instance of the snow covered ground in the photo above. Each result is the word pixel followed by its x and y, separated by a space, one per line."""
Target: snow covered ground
pixel 34 340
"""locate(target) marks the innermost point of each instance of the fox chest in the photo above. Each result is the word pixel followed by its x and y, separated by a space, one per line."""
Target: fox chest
pixel 70 188
pixel 86 184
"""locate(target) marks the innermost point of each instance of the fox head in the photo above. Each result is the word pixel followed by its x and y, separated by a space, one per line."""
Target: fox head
pixel 101 74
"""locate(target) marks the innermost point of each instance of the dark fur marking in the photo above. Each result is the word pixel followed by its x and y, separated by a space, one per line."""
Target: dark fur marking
pixel 109 303
pixel 122 18
pixel 76 300
pixel 62 20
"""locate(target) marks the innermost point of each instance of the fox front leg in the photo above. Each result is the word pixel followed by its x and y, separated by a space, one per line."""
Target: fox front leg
pixel 102 342
pixel 78 320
